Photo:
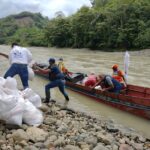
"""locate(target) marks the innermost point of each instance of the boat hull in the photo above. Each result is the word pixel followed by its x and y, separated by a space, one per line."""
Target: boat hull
pixel 130 101
pixel 112 100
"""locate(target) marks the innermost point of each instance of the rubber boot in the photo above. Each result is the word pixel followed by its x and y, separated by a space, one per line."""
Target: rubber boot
pixel 67 98
pixel 47 99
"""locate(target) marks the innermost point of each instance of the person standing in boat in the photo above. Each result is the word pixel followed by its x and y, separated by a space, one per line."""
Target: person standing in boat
pixel 119 75
pixel 56 80
pixel 19 58
pixel 63 69
pixel 108 84
pixel 61 65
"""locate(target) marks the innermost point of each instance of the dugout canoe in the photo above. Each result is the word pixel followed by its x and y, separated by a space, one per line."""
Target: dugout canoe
pixel 134 99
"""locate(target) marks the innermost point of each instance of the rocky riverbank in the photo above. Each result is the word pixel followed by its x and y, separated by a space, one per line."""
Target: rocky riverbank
pixel 65 129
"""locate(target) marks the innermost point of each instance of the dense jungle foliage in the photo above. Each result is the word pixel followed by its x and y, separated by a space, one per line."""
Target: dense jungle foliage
pixel 25 28
pixel 108 24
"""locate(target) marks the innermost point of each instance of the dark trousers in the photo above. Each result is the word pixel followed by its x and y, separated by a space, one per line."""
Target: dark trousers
pixel 56 83
pixel 21 70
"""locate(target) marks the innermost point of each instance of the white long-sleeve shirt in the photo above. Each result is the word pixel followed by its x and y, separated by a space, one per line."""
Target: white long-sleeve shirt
pixel 20 55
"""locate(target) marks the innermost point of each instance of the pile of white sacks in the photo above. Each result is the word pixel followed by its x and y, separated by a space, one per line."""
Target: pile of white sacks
pixel 17 107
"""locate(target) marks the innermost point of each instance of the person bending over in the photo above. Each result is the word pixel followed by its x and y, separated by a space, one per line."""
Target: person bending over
pixel 109 84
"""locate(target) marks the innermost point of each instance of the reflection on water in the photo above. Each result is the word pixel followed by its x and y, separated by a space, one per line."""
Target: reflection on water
pixel 82 60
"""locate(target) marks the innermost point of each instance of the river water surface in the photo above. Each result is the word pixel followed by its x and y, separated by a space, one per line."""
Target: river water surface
pixel 86 61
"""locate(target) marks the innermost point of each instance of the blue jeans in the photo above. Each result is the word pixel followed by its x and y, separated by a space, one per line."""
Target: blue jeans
pixel 21 70
pixel 116 89
pixel 117 86
pixel 56 83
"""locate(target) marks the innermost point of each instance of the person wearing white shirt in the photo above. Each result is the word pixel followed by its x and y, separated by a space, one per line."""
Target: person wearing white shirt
pixel 19 59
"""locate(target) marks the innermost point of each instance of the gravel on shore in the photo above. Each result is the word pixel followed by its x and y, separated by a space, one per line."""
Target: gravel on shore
pixel 66 129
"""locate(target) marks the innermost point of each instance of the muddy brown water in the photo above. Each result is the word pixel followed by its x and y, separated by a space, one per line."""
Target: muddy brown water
pixel 83 60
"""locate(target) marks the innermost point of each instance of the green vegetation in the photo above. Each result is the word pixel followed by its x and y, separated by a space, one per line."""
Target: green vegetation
pixel 108 24
pixel 25 28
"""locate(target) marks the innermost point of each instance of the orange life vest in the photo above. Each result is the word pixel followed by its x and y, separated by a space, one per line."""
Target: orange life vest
pixel 118 75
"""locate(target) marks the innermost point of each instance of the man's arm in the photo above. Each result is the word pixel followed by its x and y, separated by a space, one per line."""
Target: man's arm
pixel 29 55
pixel 122 75
pixel 110 83
pixel 10 57
pixel 45 70
pixel 98 82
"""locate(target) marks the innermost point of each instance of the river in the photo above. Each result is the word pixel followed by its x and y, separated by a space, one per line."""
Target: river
pixel 87 61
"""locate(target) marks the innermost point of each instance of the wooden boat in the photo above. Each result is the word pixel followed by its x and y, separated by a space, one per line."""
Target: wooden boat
pixel 134 99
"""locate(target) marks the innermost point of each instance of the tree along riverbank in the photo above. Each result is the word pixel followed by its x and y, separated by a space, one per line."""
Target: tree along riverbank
pixel 111 24
pixel 66 129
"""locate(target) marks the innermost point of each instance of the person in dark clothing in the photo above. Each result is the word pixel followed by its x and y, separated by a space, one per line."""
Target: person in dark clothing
pixel 109 84
pixel 56 80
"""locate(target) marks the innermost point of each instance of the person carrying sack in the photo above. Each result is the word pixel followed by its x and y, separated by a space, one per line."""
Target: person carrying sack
pixel 19 59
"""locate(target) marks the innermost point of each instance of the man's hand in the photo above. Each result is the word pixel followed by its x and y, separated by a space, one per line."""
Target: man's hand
pixel 36 67
pixel 103 89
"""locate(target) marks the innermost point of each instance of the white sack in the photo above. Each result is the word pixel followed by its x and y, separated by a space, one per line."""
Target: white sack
pixel 14 92
pixel 7 103
pixel 11 109
pixel 2 93
pixel 31 63
pixel 15 108
pixel 10 83
pixel 31 115
pixel 30 73
pixel 36 100
pixel 27 93
pixel 16 114
pixel 2 81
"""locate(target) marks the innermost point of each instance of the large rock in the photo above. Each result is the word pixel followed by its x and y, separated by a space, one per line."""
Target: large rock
pixel 71 147
pixel 59 142
pixel 106 139
pixel 115 147
pixel 100 147
pixel 2 142
pixel 63 128
pixel 49 121
pixel 112 128
pixel 20 135
pixel 18 147
pixel 31 147
pixel 91 140
pixel 85 147
pixel 125 147
pixel 39 145
pixel 36 134
pixel 44 108
pixel 141 139
pixel 138 146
